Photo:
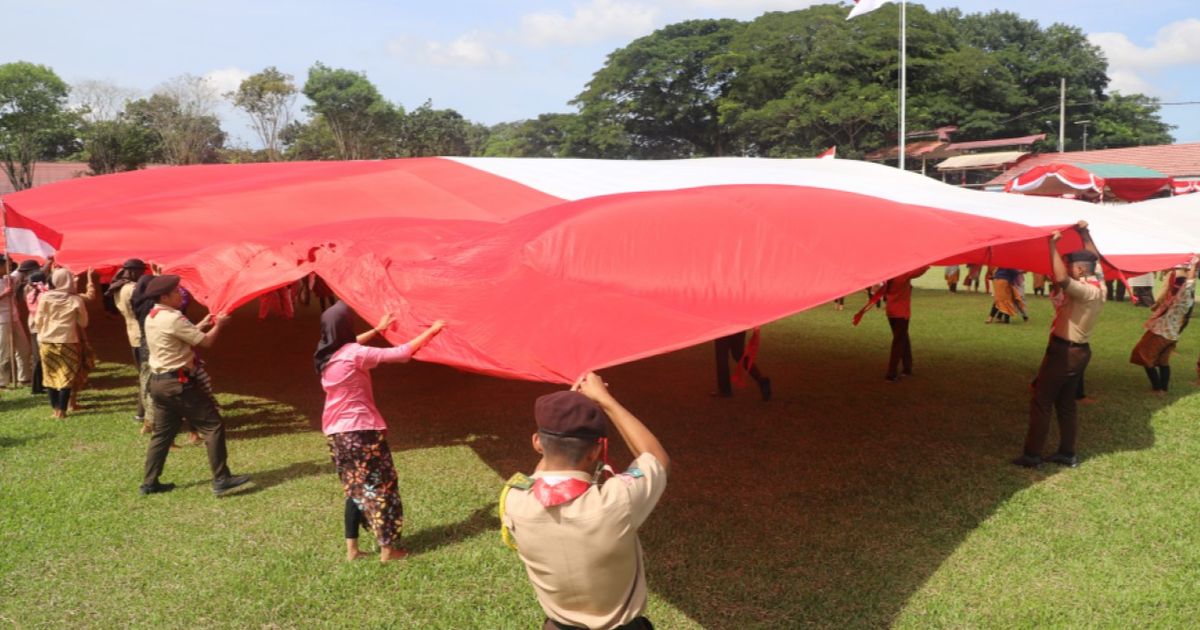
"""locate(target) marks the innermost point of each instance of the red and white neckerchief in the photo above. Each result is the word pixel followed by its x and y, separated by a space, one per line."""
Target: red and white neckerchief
pixel 551 491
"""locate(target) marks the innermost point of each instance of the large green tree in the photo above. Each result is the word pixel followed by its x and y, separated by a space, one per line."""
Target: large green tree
pixel 34 123
pixel 186 132
pixel 363 124
pixel 426 132
pixel 1123 121
pixel 663 90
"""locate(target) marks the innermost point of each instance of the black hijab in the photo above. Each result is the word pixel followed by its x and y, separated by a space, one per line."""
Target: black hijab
pixel 336 331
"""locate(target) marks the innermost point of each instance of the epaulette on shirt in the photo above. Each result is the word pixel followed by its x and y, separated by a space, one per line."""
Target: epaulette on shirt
pixel 520 481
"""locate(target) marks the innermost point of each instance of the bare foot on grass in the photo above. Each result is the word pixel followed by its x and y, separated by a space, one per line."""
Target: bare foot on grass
pixel 389 554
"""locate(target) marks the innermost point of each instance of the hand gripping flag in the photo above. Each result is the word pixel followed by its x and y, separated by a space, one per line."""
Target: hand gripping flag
pixel 26 236
pixel 865 6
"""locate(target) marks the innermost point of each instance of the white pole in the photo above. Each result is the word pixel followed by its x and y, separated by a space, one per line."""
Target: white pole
pixel 1062 114
pixel 903 79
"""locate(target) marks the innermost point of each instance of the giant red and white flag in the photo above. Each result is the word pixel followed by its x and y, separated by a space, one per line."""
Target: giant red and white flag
pixel 23 235
pixel 865 6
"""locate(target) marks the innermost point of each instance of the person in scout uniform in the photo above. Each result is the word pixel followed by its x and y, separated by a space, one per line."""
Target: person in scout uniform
pixel 577 535
pixel 121 291
pixel 174 390
pixel 1078 297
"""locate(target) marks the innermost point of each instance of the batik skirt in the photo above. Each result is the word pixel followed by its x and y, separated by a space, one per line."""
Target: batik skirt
pixel 364 463
pixel 1152 351
pixel 61 363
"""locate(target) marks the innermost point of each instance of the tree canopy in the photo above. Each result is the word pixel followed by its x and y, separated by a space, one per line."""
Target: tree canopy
pixel 34 122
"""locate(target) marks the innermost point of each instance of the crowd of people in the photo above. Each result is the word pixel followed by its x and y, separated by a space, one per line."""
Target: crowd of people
pixel 573 522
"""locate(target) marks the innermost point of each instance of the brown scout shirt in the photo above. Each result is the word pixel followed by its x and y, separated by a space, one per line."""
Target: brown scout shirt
pixel 584 557
pixel 125 305
pixel 170 337
pixel 1076 309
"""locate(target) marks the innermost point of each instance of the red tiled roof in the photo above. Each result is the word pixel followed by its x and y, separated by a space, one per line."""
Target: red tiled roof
pixel 931 149
pixel 48 172
pixel 1176 160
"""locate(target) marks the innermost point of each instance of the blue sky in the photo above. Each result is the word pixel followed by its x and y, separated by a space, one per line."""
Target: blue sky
pixel 503 59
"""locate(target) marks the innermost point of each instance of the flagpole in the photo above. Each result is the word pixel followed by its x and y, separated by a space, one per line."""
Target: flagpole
pixel 903 79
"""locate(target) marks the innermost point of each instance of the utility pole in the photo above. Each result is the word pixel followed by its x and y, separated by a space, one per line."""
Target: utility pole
pixel 1085 124
pixel 1062 114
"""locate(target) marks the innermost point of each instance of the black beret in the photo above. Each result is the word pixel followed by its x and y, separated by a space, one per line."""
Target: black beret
pixel 159 286
pixel 1082 255
pixel 135 264
pixel 570 414
pixel 28 266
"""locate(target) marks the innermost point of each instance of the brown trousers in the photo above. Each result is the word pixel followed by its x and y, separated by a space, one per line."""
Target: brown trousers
pixel 1057 380
pixel 173 402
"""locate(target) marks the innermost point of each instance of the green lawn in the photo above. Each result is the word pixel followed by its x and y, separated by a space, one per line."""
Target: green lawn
pixel 845 502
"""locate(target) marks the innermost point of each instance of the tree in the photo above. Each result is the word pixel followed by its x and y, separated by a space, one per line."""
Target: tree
pixel 430 132
pixel 362 123
pixel 311 140
pixel 181 119
pixel 100 100
pixel 1124 121
pixel 663 90
pixel 267 98
pixel 33 122
pixel 112 146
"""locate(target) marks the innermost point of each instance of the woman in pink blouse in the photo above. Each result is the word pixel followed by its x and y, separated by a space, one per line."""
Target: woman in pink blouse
pixel 356 431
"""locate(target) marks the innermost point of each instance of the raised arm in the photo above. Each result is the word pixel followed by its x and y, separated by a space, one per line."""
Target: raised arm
pixel 637 437
pixel 1086 236
pixel 1057 266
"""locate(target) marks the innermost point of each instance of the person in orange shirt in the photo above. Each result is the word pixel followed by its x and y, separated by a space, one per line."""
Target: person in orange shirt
pixel 898 293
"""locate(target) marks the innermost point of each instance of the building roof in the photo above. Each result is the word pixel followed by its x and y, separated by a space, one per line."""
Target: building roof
pixel 999 142
pixel 1122 171
pixel 981 161
pixel 1175 160
pixel 48 172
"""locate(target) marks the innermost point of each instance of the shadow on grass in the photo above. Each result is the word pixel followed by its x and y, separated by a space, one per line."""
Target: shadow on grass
pixel 481 520
pixel 266 479
pixel 17 442
pixel 828 507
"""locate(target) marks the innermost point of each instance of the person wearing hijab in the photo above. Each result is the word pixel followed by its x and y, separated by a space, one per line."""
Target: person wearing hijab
pixel 174 389
pixel 121 291
pixel 1166 323
pixel 60 316
pixel 14 338
pixel 356 431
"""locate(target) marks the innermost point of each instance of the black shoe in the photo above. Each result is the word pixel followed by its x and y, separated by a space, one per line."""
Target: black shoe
pixel 765 387
pixel 1062 459
pixel 891 378
pixel 1028 461
pixel 229 483
pixel 155 488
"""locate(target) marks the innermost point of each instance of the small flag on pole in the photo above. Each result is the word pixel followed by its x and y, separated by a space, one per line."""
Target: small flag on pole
pixel 23 235
pixel 866 6
pixel 829 153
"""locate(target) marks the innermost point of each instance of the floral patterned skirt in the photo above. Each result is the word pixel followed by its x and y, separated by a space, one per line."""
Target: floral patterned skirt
pixel 364 463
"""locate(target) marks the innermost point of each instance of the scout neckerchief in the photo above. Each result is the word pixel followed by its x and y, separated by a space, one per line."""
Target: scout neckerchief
pixel 551 491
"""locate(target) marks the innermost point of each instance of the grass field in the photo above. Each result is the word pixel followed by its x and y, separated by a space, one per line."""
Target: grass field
pixel 844 502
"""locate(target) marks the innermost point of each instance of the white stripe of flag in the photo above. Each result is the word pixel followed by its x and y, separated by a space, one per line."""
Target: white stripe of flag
pixel 866 6
pixel 25 236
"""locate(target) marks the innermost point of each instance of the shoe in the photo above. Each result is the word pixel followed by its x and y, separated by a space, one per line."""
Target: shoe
pixel 229 483
pixel 155 488
pixel 139 419
pixel 1028 461
pixel 891 379
pixel 765 388
pixel 1062 459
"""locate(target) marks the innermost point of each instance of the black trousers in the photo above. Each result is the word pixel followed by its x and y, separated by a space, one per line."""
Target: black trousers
pixel 901 347
pixel 174 401
pixel 640 623
pixel 1055 388
pixel 734 345
pixel 35 381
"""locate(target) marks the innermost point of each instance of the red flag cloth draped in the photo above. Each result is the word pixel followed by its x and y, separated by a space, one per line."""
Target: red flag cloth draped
pixel 547 268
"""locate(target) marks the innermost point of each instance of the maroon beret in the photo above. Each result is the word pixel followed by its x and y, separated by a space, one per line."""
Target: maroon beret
pixel 570 414
pixel 160 286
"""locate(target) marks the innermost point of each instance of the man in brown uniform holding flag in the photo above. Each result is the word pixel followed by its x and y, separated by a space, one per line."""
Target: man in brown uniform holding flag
pixel 577 536
pixel 1078 296
pixel 175 392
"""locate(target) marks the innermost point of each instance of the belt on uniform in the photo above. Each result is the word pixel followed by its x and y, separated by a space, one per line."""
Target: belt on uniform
pixel 182 375
pixel 1072 344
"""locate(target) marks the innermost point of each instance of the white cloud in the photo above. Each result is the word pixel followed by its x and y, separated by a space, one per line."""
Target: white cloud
pixel 225 80
pixel 473 49
pixel 1131 66
pixel 590 22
